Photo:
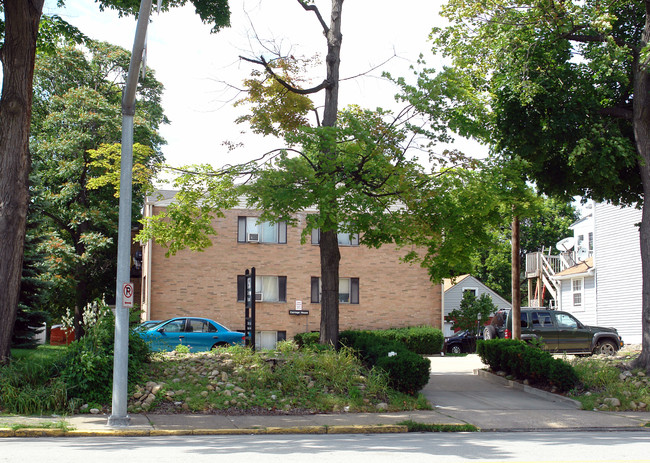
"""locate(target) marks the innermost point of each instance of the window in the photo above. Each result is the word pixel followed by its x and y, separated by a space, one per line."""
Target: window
pixel 591 241
pixel 267 288
pixel 252 230
pixel 195 325
pixel 472 291
pixel 348 290
pixel 566 321
pixel 345 239
pixel 577 290
pixel 541 319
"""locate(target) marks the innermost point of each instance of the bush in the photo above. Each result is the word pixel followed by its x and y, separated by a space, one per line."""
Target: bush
pixel 424 340
pixel 307 339
pixel 523 361
pixel 407 371
pixel 28 387
pixel 87 366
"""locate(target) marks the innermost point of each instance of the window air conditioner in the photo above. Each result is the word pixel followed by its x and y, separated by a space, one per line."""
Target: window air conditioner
pixel 259 297
pixel 253 237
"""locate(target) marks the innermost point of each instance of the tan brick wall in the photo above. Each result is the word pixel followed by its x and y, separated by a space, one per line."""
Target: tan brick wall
pixel 391 294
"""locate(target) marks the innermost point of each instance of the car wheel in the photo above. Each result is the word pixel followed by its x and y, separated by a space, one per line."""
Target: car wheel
pixel 489 332
pixel 455 349
pixel 606 348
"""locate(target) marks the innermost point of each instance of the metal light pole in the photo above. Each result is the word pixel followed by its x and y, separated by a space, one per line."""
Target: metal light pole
pixel 119 415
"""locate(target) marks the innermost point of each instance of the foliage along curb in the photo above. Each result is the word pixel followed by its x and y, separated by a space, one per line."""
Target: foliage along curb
pixel 529 389
pixel 343 429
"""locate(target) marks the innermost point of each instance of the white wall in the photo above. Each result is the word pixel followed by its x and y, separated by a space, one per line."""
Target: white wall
pixel 617 260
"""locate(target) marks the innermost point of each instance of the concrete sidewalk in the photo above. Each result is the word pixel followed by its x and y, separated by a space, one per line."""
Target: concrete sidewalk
pixel 460 391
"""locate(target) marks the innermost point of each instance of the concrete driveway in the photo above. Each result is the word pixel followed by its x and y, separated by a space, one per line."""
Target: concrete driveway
pixel 492 404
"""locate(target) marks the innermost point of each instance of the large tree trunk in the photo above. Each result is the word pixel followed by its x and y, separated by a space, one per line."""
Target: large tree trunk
pixel 329 263
pixel 641 121
pixel 329 246
pixel 18 55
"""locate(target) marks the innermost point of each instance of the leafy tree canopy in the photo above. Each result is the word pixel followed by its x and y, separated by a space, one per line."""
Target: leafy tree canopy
pixel 76 130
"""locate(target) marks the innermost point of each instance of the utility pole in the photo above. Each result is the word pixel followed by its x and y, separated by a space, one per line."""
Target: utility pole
pixel 516 275
pixel 119 415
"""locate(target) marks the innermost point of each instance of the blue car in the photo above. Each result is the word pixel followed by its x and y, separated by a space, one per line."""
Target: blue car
pixel 199 334
pixel 147 325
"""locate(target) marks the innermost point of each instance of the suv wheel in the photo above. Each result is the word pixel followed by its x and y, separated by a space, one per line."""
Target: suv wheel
pixel 606 348
pixel 489 332
pixel 455 349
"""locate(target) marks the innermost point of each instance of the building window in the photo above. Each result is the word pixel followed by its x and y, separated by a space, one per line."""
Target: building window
pixel 252 230
pixel 591 241
pixel 348 290
pixel 345 239
pixel 267 288
pixel 472 291
pixel 577 286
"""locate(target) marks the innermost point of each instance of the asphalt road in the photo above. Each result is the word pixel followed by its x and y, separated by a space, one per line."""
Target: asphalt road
pixel 557 447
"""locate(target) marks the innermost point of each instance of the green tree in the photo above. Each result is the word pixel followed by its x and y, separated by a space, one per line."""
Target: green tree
pixel 472 312
pixel 32 303
pixel 352 167
pixel 19 29
pixel 75 151
pixel 549 225
pixel 560 85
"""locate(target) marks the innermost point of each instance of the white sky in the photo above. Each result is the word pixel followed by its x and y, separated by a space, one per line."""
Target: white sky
pixel 192 63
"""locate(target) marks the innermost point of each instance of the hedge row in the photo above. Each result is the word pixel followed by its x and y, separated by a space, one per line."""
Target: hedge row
pixel 407 371
pixel 523 361
pixel 424 340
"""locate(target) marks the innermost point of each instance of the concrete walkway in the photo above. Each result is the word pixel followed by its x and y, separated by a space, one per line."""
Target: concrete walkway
pixel 459 390
pixel 462 390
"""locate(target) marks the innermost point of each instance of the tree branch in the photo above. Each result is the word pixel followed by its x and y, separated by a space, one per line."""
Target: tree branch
pixel 617 112
pixel 291 88
pixel 316 11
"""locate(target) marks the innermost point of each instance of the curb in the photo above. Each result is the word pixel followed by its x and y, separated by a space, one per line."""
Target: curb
pixel 529 389
pixel 350 429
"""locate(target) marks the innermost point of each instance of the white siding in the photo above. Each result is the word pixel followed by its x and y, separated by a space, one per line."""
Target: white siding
pixel 617 260
pixel 587 313
pixel 454 295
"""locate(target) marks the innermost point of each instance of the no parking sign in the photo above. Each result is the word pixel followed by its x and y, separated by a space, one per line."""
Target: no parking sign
pixel 127 295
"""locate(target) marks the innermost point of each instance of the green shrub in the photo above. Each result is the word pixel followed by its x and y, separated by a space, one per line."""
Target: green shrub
pixel 523 361
pixel 424 340
pixel 307 339
pixel 407 371
pixel 87 366
pixel 28 387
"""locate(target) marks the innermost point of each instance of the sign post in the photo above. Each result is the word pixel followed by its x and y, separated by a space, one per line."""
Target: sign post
pixel 249 304
pixel 119 416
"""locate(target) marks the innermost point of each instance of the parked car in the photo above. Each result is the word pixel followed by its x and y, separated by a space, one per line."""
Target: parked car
pixel 199 334
pixel 147 324
pixel 557 331
pixel 462 342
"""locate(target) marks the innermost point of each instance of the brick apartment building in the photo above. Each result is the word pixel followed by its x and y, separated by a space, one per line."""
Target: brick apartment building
pixel 376 290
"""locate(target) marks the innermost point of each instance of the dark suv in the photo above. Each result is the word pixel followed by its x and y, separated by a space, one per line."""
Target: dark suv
pixel 558 331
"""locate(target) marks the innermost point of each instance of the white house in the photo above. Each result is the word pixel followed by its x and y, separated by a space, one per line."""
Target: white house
pixel 598 278
pixel 456 288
